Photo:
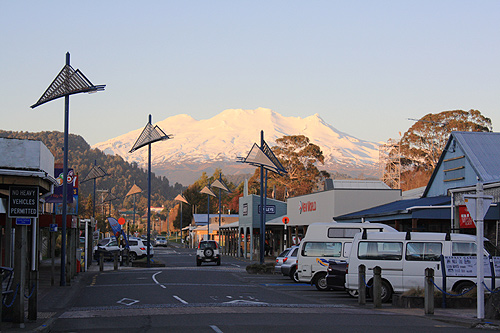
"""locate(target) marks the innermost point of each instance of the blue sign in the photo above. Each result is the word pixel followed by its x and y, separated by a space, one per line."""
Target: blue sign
pixel 270 209
pixel 53 227
pixel 23 221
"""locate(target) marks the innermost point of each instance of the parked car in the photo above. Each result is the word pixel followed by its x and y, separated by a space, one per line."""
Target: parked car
pixel 138 248
pixel 106 246
pixel 335 277
pixel 109 246
pixel 289 266
pixel 161 241
pixel 208 251
pixel 279 261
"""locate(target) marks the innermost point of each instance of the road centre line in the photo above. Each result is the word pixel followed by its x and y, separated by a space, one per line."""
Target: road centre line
pixel 156 281
pixel 180 299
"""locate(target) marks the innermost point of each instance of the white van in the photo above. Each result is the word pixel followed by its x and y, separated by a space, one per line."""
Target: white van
pixel 325 241
pixel 404 256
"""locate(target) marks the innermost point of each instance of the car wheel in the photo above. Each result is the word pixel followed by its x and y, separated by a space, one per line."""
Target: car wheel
pixel 209 253
pixel 296 277
pixel 386 292
pixel 463 287
pixel 133 256
pixel 353 292
pixel 292 272
pixel 320 282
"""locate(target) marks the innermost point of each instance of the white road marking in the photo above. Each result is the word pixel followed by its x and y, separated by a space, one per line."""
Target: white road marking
pixel 216 329
pixel 156 281
pixel 236 265
pixel 127 301
pixel 180 299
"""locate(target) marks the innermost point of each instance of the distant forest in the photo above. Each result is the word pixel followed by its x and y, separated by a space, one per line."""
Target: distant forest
pixel 122 175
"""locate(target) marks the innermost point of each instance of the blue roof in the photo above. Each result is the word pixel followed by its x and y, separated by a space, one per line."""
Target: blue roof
pixel 482 151
pixel 400 207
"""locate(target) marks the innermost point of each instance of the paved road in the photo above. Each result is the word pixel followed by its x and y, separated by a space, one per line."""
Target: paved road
pixel 183 297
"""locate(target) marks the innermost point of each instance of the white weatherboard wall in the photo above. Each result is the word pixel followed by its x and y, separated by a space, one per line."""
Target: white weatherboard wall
pixel 323 206
pixel 26 155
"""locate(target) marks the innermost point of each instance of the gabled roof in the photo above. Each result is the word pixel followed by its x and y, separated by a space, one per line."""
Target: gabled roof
pixel 482 150
pixel 401 208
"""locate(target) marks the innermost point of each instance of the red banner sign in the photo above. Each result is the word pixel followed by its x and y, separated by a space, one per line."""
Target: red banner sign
pixel 465 220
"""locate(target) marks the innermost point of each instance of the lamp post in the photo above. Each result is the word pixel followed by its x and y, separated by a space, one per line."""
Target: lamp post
pixel 181 198
pixel 264 158
pixel 219 183
pixel 148 136
pixel 67 82
pixel 209 193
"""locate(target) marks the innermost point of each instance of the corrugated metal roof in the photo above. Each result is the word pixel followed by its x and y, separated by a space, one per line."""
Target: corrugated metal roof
pixel 483 151
pixel 365 184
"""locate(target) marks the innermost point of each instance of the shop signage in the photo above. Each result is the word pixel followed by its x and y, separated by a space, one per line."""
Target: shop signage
pixel 308 206
pixel 270 209
pixel 465 218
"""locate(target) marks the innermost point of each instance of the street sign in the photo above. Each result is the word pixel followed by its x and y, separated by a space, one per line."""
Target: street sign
pixel 471 203
pixel 285 220
pixel 23 201
pixel 53 227
pixel 23 221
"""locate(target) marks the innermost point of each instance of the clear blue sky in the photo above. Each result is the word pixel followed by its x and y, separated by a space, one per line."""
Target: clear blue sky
pixel 364 66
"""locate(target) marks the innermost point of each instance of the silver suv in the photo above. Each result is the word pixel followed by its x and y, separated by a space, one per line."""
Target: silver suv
pixel 208 251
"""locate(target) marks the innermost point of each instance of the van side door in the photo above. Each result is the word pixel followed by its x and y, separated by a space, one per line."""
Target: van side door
pixel 420 255
pixel 388 255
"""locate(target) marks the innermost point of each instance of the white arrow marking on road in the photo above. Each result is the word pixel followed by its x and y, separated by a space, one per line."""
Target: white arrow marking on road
pixel 216 329
pixel 244 302
pixel 156 281
pixel 180 299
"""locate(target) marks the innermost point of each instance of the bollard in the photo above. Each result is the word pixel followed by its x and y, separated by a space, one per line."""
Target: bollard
pixel 361 285
pixel 115 261
pixel 429 292
pixel 101 261
pixel 377 287
pixel 127 257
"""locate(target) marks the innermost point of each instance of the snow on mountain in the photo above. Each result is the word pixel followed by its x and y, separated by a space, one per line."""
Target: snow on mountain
pixel 218 141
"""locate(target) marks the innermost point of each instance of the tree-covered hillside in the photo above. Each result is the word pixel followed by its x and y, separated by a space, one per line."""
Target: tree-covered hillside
pixel 122 175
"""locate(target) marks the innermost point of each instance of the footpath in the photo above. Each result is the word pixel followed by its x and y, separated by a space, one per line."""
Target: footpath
pixel 53 300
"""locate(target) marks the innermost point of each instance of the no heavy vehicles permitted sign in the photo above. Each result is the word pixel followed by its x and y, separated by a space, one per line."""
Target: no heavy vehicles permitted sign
pixel 23 202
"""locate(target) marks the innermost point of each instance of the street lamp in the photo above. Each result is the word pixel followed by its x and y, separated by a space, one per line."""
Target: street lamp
pixel 209 193
pixel 148 136
pixel 133 191
pixel 68 82
pixel 264 158
pixel 219 183
pixel 181 198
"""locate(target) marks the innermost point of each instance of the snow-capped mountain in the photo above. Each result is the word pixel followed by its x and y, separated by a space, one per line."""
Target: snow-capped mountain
pixel 203 145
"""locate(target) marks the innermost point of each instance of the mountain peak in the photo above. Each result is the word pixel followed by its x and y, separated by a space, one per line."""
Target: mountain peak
pixel 232 133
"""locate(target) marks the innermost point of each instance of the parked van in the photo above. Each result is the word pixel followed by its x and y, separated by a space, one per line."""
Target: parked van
pixel 404 256
pixel 325 241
